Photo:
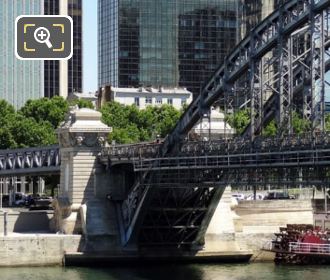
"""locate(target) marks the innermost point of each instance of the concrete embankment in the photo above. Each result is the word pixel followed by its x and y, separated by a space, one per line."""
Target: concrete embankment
pixel 249 225
pixel 36 249
pixel 257 221
pixel 24 221
pixel 234 234
pixel 29 240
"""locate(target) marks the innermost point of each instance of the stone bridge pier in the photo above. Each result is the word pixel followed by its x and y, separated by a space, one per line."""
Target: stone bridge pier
pixel 82 206
pixel 90 196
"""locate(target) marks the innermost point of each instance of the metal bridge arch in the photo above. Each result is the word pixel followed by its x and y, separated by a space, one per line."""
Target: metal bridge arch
pixel 277 71
pixel 284 59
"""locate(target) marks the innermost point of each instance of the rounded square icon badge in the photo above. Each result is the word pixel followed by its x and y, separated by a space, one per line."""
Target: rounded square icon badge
pixel 43 37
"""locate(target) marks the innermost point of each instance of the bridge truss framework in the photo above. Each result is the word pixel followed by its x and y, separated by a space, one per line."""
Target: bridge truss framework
pixel 279 69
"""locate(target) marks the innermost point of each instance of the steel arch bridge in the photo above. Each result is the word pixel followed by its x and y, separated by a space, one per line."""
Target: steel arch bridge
pixel 284 58
pixel 280 68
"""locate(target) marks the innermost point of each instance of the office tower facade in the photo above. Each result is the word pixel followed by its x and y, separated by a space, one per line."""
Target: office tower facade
pixel 64 78
pixel 19 80
pixel 51 67
pixel 254 11
pixel 169 43
pixel 75 78
pixel 24 80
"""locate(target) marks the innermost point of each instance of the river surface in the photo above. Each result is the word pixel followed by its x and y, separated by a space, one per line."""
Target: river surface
pixel 264 271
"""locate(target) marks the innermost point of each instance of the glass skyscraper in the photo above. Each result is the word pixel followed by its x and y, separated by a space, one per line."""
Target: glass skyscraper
pixel 52 67
pixel 254 11
pixel 23 80
pixel 76 62
pixel 164 43
pixel 19 80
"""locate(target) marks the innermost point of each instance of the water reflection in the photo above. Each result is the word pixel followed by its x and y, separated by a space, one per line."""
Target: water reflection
pixel 171 272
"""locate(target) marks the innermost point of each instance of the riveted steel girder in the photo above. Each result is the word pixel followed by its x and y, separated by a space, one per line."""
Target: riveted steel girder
pixel 30 161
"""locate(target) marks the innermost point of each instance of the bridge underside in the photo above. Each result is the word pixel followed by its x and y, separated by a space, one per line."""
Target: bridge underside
pixel 175 212
pixel 176 199
pixel 277 71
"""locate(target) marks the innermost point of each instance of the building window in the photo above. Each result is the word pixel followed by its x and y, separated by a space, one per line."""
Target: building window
pixel 159 101
pixel 137 101
pixel 169 101
pixel 148 100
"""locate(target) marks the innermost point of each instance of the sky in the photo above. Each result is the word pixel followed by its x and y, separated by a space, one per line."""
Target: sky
pixel 90 45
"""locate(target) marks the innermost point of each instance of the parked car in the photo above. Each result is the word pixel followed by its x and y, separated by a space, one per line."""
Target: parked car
pixel 238 196
pixel 38 202
pixel 20 199
pixel 259 196
pixel 278 195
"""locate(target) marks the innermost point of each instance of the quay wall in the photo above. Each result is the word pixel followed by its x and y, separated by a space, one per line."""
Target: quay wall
pixel 238 229
pixel 27 221
pixel 249 225
pixel 36 249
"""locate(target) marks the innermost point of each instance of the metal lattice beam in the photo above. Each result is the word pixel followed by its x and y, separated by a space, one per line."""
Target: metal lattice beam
pixel 30 161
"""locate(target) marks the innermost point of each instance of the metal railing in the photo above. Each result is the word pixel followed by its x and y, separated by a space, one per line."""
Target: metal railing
pixel 237 145
pixel 303 248
pixel 253 160
pixel 268 245
pixel 30 160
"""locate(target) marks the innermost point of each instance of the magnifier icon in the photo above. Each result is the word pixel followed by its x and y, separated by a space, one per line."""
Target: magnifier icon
pixel 42 35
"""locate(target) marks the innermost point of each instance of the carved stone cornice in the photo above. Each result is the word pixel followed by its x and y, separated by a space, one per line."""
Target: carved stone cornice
pixel 83 128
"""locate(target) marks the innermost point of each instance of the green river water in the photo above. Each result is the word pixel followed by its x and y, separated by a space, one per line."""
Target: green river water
pixel 171 272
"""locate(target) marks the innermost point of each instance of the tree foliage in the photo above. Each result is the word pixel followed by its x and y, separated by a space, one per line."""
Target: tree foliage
pixel 270 129
pixel 239 120
pixel 6 138
pixel 82 103
pixel 131 125
pixel 35 123
pixel 299 124
pixel 327 122
pixel 52 110
pixel 18 130
pixel 6 111
pixel 27 132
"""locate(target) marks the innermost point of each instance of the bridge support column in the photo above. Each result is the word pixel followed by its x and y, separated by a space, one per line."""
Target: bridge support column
pixel 220 234
pixel 81 138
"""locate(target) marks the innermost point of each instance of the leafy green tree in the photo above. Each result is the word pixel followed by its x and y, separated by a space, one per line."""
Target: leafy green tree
pixel 7 113
pixel 115 115
pixel 239 120
pixel 52 110
pixel 82 103
pixel 127 135
pixel 327 122
pixel 299 124
pixel 6 138
pixel 7 118
pixel 27 132
pixel 167 117
pixel 35 123
pixel 147 122
pixel 132 125
pixel 270 129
